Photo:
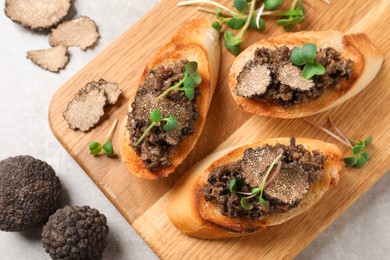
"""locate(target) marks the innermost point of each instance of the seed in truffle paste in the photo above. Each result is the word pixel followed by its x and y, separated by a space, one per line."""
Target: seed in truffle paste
pixel 30 192
pixel 52 59
pixel 291 75
pixel 81 31
pixel 37 14
pixel 253 80
pixel 75 233
pixel 255 163
pixel 86 108
pixel 290 186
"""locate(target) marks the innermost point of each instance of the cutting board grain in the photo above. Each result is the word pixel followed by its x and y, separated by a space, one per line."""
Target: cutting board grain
pixel 143 202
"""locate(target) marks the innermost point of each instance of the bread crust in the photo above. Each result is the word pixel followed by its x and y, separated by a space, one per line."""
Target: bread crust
pixel 366 58
pixel 196 41
pixel 194 216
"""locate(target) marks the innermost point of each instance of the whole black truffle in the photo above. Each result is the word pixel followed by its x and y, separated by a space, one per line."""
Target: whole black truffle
pixel 29 193
pixel 75 233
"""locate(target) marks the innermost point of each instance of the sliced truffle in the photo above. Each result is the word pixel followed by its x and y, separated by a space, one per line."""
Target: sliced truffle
pixel 290 186
pixel 37 14
pixel 52 59
pixel 75 233
pixel 291 75
pixel 253 80
pixel 111 90
pixel 30 192
pixel 86 108
pixel 81 31
pixel 256 162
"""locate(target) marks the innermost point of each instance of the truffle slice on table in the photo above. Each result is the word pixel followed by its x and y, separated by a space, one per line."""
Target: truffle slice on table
pixel 253 80
pixel 81 31
pixel 52 59
pixel 37 14
pixel 30 192
pixel 111 90
pixel 86 108
pixel 75 233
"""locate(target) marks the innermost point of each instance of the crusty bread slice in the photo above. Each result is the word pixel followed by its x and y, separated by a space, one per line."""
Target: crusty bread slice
pixel 366 58
pixel 196 41
pixel 193 215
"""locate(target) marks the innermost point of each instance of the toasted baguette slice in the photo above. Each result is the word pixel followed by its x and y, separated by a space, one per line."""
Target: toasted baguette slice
pixel 366 58
pixel 196 41
pixel 193 215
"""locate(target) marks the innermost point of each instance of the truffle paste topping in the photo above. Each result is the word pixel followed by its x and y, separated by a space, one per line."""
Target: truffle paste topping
pixel 299 167
pixel 271 77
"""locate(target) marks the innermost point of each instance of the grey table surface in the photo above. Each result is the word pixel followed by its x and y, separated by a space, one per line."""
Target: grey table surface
pixel 25 93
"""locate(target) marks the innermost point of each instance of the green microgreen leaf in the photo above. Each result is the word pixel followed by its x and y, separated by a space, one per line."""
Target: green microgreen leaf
pixel 189 93
pixel 312 68
pixel 296 57
pixel 263 202
pixel 232 185
pixel 350 161
pixel 196 78
pixel 190 79
pixel 155 115
pixel 361 161
pixel 309 52
pixel 292 17
pixel 171 124
pixel 253 24
pixel 190 67
pixel 232 43
pixel 188 83
pixel 357 149
pixel 218 13
pixel 272 4
pixel 360 157
pixel 108 149
pixel 368 140
pixel 217 26
pixel 255 191
pixel 235 23
pixel 95 148
pixel 365 155
pixel 241 5
pixel 245 203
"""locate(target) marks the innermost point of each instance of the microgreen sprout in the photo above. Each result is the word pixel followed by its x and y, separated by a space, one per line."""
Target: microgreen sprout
pixel 358 147
pixel 247 16
pixel 236 184
pixel 292 17
pixel 171 124
pixel 95 148
pixel 305 56
pixel 272 4
pixel 189 81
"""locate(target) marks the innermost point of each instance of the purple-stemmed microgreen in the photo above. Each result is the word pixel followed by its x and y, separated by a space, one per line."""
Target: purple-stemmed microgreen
pixel 247 16
pixel 358 147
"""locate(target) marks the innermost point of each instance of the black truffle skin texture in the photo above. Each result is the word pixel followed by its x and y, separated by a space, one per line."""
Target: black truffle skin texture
pixel 30 192
pixel 75 233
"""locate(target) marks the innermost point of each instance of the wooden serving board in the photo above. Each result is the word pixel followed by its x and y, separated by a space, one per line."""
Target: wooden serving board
pixel 143 202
